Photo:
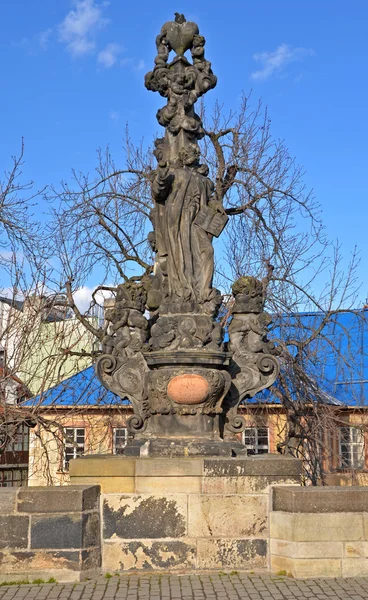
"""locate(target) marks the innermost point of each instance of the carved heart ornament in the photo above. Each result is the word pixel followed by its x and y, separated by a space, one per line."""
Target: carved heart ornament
pixel 180 35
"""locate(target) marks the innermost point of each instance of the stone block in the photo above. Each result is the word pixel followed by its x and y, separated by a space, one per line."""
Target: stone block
pixel 355 550
pixel 14 531
pixel 231 554
pixel 104 466
pixel 56 531
pixel 306 568
pixel 168 485
pixel 91 559
pixel 149 555
pixel 310 567
pixel 91 530
pixel 144 516
pixel 244 484
pixel 7 500
pixel 354 567
pixel 263 464
pixel 108 485
pixel 365 519
pixel 306 549
pixel 281 525
pixel 328 527
pixel 320 499
pixel 39 560
pixel 58 499
pixel 227 516
pixel 169 467
pixel 284 548
pixel 281 563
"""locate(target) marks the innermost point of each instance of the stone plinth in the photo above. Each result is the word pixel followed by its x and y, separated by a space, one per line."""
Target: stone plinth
pixel 49 532
pixel 319 532
pixel 186 513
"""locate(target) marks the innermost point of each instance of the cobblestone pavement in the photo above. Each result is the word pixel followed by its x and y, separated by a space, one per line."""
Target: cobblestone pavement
pixel 219 586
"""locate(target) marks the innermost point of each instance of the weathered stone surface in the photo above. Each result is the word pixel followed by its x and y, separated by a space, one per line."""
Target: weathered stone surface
pixel 91 559
pixel 58 499
pixel 244 484
pixel 232 554
pixel 355 550
pixel 149 555
pixel 227 516
pixel 328 527
pixel 103 466
pixel 39 560
pixel 109 484
pixel 264 465
pixel 14 531
pixel 365 520
pixel 354 567
pixel 281 525
pixel 7 500
pixel 168 467
pixel 320 499
pixel 168 485
pixel 144 516
pixel 56 531
pixel 304 567
pixel 306 549
pixel 313 527
pixel 91 531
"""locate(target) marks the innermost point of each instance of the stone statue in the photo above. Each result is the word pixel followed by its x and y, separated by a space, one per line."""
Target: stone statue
pixel 164 347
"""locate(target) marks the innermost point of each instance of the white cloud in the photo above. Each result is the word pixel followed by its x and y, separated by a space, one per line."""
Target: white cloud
pixel 79 26
pixel 274 62
pixel 134 63
pixel 114 115
pixel 83 297
pixel 108 56
pixel 140 65
pixel 44 37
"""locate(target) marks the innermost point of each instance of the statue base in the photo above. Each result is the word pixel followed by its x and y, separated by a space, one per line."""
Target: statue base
pixel 185 514
pixel 182 448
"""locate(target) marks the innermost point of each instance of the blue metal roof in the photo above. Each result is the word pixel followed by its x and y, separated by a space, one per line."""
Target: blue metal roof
pixel 337 363
pixel 82 389
pixel 337 360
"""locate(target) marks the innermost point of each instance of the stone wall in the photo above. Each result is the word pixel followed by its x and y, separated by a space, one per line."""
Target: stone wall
pixel 185 514
pixel 319 532
pixel 49 532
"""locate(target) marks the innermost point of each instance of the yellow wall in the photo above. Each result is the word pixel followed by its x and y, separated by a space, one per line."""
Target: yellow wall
pixel 46 448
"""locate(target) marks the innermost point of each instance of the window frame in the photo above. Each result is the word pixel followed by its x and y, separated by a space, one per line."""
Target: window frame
pixel 22 481
pixel 74 445
pixel 114 446
pixel 256 448
pixel 350 463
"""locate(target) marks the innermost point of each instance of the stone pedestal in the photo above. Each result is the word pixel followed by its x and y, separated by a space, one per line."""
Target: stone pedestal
pixel 185 513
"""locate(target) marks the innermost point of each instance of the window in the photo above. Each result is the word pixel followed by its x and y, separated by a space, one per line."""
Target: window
pixel 256 440
pixel 73 444
pixel 13 477
pixel 20 441
pixel 351 448
pixel 120 438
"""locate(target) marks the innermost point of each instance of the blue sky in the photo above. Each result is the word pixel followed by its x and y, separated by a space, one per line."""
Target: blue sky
pixel 72 77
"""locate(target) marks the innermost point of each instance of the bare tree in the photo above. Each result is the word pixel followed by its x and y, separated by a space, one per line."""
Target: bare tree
pixel 275 233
